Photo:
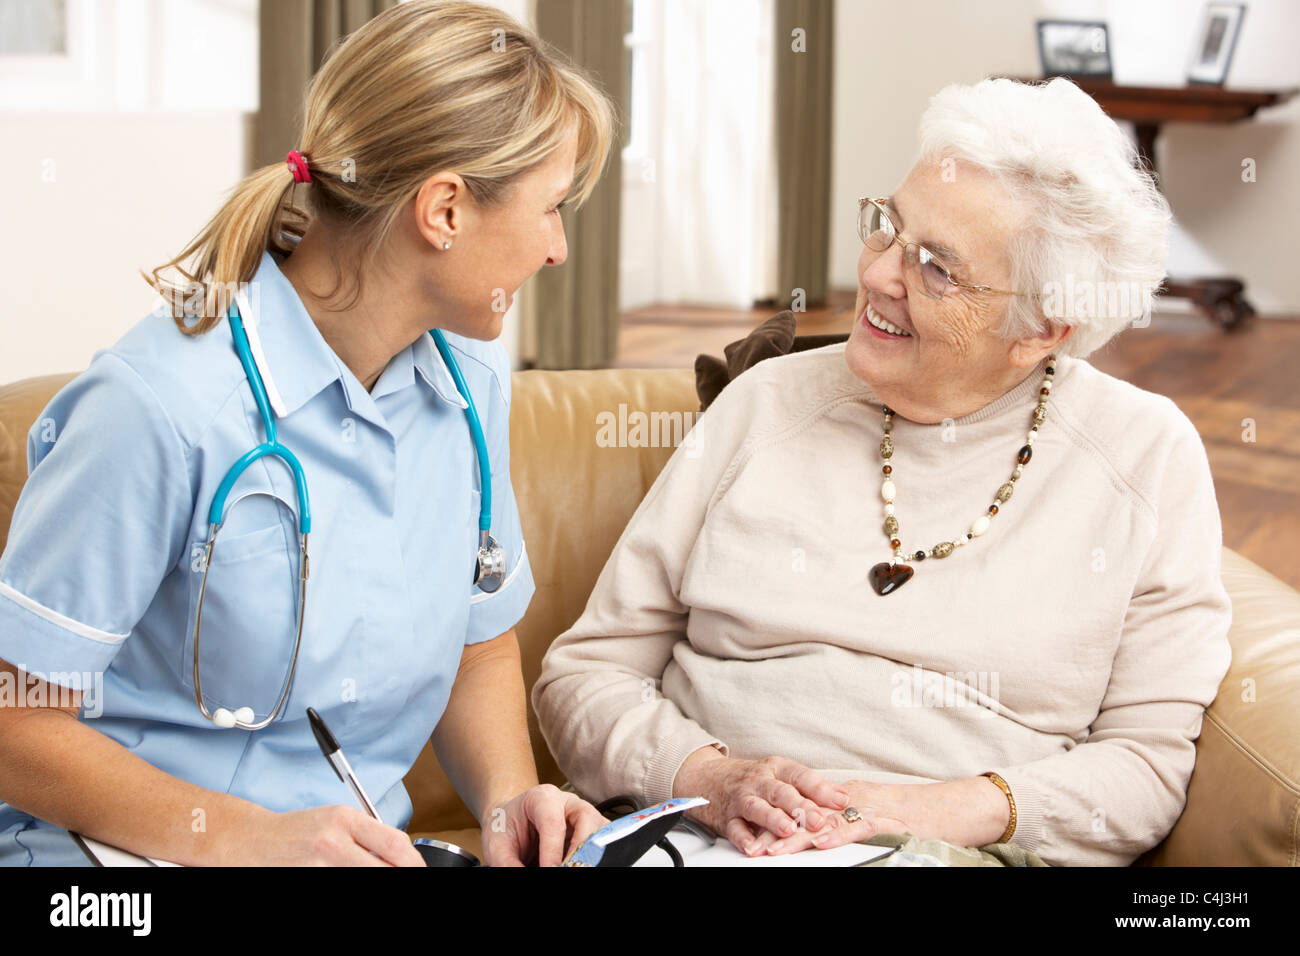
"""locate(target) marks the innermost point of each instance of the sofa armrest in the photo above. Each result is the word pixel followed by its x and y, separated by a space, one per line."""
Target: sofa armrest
pixel 1243 802
pixel 20 403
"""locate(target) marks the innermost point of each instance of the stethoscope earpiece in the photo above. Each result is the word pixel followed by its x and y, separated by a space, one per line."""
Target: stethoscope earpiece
pixel 225 719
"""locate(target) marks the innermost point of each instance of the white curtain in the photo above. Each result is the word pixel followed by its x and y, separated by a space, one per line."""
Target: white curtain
pixel 715 195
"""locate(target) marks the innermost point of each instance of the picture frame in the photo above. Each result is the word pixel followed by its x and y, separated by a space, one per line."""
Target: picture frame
pixel 1074 48
pixel 1215 42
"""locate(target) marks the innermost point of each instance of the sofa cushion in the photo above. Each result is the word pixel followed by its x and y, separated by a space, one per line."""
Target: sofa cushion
pixel 580 471
pixel 584 450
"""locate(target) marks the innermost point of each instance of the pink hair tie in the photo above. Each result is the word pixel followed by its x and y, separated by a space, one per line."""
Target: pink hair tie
pixel 298 166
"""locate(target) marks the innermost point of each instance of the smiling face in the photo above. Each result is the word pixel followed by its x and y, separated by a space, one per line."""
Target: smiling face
pixel 947 361
pixel 494 249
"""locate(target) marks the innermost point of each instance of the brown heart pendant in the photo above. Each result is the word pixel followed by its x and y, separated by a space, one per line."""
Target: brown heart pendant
pixel 886 578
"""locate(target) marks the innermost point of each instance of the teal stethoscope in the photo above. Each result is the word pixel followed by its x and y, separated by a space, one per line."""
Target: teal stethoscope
pixel 490 564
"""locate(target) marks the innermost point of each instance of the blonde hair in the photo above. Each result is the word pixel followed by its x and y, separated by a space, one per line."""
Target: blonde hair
pixel 427 85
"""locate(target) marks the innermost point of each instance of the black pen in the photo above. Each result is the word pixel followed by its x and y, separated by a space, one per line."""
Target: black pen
pixel 329 746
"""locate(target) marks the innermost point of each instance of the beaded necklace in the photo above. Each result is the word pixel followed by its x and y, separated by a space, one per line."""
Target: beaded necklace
pixel 888 576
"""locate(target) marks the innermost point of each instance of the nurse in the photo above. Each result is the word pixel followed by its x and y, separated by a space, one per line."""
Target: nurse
pixel 439 142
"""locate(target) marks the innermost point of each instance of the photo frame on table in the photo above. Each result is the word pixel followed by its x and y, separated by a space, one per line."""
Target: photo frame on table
pixel 1215 41
pixel 1074 48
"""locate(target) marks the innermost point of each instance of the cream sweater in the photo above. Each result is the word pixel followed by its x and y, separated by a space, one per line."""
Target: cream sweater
pixel 1072 648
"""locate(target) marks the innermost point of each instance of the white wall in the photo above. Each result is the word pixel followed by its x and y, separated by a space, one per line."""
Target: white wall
pixel 127 192
pixel 114 159
pixel 111 162
pixel 1225 226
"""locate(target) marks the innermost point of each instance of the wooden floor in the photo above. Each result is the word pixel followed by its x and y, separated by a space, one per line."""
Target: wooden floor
pixel 1222 381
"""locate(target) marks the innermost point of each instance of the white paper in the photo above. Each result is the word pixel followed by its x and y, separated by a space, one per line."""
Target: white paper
pixel 696 852
pixel 107 855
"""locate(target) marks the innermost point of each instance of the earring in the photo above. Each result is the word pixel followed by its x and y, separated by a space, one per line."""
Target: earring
pixel 446 244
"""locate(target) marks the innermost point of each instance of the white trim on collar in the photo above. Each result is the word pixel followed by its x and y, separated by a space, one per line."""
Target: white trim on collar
pixel 446 385
pixel 247 313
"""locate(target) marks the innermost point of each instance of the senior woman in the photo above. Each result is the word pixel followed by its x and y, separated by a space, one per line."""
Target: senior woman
pixel 946 578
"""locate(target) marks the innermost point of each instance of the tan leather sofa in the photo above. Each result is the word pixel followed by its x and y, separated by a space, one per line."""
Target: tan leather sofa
pixel 1243 805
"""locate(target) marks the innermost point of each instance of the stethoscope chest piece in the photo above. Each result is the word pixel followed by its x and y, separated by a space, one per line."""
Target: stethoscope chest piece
pixel 490 568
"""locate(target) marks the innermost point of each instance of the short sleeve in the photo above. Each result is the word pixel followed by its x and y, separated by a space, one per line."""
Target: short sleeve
pixel 102 518
pixel 493 614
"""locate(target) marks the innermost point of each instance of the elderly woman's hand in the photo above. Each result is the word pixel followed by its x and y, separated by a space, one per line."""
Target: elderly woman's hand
pixel 967 812
pixel 749 799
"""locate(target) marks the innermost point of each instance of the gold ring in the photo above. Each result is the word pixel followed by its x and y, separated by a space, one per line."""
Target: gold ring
pixel 851 814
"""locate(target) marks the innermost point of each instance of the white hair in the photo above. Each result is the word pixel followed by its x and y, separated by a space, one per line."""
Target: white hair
pixel 1098 227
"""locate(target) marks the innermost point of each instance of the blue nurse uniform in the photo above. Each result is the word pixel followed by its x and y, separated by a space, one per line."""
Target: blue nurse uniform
pixel 100 576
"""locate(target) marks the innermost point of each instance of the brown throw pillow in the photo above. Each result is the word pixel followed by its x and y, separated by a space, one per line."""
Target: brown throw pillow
pixel 776 336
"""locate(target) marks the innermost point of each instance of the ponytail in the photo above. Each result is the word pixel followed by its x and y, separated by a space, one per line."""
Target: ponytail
pixel 227 252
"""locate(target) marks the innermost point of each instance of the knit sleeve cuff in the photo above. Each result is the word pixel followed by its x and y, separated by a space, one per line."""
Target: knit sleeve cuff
pixel 661 769
pixel 1030 805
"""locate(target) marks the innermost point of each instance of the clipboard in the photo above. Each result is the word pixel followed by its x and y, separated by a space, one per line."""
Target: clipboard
pixel 102 854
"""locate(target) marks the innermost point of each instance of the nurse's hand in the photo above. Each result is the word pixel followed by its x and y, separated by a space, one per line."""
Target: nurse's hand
pixel 542 825
pixel 324 836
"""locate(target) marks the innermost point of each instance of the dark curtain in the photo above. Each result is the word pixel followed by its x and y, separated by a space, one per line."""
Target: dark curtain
pixel 575 307
pixel 803 146
pixel 294 37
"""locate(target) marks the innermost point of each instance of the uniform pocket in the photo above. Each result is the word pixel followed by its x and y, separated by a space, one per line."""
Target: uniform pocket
pixel 249 621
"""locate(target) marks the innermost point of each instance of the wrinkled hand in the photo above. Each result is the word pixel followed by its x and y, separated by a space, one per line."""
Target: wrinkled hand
pixel 540 826
pixel 755 802
pixel 882 808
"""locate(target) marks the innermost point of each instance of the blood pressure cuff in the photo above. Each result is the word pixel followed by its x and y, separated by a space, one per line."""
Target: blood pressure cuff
pixel 624 841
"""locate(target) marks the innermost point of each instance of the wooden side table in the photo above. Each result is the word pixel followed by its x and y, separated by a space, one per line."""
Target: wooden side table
pixel 1222 300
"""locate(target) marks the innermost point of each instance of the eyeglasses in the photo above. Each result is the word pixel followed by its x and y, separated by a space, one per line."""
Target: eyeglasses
pixel 878 232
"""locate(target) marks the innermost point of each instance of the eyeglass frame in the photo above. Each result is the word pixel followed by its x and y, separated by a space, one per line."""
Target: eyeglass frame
pixel 898 237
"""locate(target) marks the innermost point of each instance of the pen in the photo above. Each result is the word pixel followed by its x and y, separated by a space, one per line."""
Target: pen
pixel 329 746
